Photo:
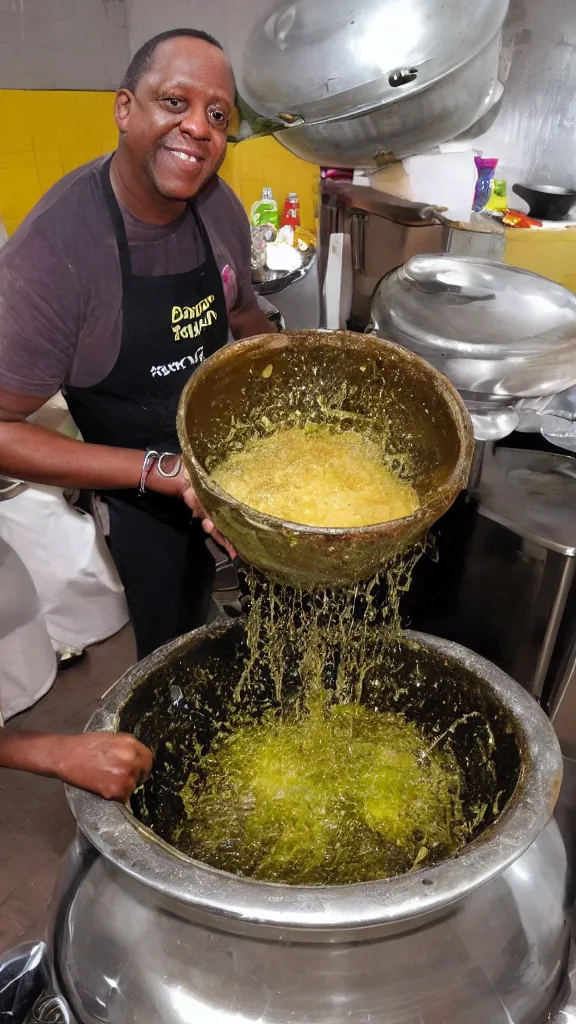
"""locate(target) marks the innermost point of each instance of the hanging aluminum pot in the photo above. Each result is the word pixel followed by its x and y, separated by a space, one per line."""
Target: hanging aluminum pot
pixel 358 85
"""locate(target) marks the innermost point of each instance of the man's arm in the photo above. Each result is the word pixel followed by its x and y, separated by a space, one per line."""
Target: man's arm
pixel 109 764
pixel 248 321
pixel 37 455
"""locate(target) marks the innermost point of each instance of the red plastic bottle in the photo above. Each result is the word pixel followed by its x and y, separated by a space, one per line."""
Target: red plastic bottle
pixel 291 215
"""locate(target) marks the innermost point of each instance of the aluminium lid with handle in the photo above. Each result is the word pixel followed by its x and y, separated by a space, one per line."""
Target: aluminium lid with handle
pixel 498 329
pixel 319 59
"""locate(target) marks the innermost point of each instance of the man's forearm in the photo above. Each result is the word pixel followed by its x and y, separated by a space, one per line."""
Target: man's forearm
pixel 248 323
pixel 29 751
pixel 37 455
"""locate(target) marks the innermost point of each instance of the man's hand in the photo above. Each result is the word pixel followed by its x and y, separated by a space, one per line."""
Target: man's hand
pixel 191 499
pixel 180 486
pixel 109 764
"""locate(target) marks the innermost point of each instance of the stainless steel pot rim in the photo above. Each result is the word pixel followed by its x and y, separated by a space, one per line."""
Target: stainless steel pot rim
pixel 388 98
pixel 133 849
pixel 263 521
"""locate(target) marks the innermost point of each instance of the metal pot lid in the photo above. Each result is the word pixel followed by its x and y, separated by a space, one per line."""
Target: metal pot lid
pixel 320 60
pixel 512 331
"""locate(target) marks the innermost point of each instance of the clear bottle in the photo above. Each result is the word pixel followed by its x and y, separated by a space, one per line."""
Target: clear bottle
pixel 265 210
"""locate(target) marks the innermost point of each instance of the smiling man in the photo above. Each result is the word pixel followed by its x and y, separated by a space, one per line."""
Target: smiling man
pixel 124 277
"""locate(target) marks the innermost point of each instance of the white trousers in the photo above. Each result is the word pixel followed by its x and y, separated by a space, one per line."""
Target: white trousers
pixel 58 589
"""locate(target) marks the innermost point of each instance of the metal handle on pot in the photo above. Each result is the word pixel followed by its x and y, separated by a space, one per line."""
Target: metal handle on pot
pixel 434 213
pixel 358 238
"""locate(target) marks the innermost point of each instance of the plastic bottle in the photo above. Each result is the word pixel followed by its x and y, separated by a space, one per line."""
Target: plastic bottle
pixel 485 182
pixel 291 215
pixel 499 199
pixel 265 210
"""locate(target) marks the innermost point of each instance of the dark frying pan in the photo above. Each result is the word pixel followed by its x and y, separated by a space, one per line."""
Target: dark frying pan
pixel 547 202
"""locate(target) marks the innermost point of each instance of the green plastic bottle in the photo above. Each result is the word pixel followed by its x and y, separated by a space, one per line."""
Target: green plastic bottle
pixel 265 210
pixel 498 200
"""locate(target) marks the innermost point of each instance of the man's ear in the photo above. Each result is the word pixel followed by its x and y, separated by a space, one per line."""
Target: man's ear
pixel 122 108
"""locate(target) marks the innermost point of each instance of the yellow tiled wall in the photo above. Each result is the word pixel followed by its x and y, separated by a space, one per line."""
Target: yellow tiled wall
pixel 550 253
pixel 44 134
pixel 260 163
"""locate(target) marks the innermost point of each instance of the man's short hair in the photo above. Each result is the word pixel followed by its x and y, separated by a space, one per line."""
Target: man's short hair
pixel 143 57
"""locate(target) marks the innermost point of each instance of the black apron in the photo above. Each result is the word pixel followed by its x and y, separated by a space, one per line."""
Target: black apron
pixel 170 324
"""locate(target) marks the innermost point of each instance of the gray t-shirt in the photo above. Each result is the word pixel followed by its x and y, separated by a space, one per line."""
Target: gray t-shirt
pixel 60 282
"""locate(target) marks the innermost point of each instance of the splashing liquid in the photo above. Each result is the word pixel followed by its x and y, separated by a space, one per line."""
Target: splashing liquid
pixel 323 789
pixel 346 796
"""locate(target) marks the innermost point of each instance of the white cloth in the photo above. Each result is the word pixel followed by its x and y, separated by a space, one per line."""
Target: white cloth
pixel 66 556
pixel 59 587
pixel 28 662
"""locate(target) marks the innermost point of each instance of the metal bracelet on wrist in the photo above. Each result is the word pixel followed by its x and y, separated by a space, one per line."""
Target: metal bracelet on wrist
pixel 149 460
pixel 169 474
pixel 152 458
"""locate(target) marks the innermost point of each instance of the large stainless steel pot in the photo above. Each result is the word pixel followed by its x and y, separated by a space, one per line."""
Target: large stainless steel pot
pixel 502 335
pixel 364 83
pixel 142 934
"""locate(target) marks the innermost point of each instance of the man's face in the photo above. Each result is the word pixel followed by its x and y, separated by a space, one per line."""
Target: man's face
pixel 174 126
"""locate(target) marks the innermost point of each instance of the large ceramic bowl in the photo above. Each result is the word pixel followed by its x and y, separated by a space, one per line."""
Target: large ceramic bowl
pixel 244 389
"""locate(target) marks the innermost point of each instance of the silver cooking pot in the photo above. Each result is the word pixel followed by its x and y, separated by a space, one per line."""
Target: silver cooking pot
pixel 505 337
pixel 142 934
pixel 351 84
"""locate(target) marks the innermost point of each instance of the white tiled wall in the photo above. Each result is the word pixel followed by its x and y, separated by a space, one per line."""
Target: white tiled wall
pixel 228 20
pixel 147 17
pixel 534 135
pixel 62 44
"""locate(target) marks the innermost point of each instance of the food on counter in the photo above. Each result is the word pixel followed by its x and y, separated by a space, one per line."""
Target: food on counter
pixel 261 236
pixel 280 250
pixel 283 256
pixel 316 477
pixel 304 239
pixel 516 219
